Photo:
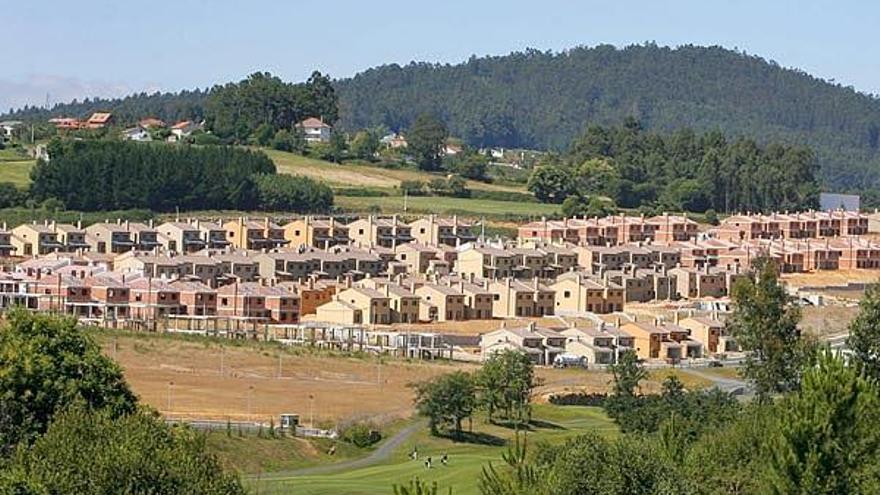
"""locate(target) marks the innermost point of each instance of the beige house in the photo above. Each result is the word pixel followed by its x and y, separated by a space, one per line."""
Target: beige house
pixel 373 305
pixel 541 345
pixel 339 311
pixel 253 234
pixel 416 257
pixel 180 237
pixel 316 232
pixel 441 302
pixel 433 231
pixel 709 332
pixel 374 231
pixel 485 262
pixel 107 237
pixel 576 293
pixel 516 299
pixel 31 239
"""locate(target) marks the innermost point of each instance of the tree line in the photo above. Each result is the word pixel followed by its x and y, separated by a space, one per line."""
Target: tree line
pixel 116 175
pixel 681 171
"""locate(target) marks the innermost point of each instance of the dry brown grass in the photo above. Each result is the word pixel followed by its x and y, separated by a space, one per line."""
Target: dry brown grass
pixel 343 387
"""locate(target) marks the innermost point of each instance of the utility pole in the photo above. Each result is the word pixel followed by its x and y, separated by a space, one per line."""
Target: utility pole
pixel 279 366
pixel 170 396
pixel 311 410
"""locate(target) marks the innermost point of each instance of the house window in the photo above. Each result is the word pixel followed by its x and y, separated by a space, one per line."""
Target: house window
pixel 566 294
pixel 296 232
pixel 361 231
pixel 224 301
pixel 496 297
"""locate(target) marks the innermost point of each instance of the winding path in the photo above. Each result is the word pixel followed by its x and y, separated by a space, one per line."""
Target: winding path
pixel 382 453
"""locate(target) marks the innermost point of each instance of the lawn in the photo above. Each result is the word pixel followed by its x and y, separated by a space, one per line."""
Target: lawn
pixel 17 172
pixel 363 175
pixel 553 424
pixel 444 205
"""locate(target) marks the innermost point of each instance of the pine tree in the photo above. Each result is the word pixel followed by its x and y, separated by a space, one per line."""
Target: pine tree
pixel 864 334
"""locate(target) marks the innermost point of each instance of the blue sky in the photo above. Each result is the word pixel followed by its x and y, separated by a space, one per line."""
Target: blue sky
pixel 90 47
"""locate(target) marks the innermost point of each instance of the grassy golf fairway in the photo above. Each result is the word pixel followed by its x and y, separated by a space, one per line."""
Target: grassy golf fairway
pixel 466 460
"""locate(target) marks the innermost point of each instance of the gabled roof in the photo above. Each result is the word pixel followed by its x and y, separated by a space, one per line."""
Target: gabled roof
pixel 313 123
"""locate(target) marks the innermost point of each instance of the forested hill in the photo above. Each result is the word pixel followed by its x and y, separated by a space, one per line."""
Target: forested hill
pixel 543 100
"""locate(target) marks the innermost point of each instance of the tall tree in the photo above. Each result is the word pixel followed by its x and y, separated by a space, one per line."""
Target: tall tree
pixel 446 400
pixel 764 323
pixel 46 364
pixel 826 439
pixel 506 382
pixel 864 333
pixel 627 373
pixel 426 140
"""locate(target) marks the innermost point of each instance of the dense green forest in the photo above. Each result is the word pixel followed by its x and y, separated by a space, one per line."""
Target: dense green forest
pixel 542 100
pixel 108 175
pixel 682 170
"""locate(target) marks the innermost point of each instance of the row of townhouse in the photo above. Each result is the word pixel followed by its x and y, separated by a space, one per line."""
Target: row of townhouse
pixel 93 294
pixel 241 233
pixel 693 337
pixel 801 225
pixel 611 230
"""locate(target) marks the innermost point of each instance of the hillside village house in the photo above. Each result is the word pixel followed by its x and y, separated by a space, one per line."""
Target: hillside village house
pixel 316 232
pixel 99 120
pixel 237 266
pixel 183 130
pixel 315 130
pixel 35 239
pixel 665 341
pixel 136 134
pixel 254 235
pixel 515 299
pixel 432 230
pixel 441 302
pixel 151 123
pixel 541 345
pixel 576 293
pixel 106 237
pixel 372 304
pixel 196 298
pixel 710 333
pixel 253 301
pixel 482 261
pixel 403 302
pixel 384 232
pixel 394 141
pixel 212 233
pixel 180 237
pixel 597 345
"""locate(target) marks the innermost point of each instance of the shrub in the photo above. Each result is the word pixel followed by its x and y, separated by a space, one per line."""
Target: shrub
pixel 292 193
pixel 361 435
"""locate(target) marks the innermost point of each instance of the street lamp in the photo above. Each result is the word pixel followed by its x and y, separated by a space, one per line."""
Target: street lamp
pixel 311 410
pixel 170 395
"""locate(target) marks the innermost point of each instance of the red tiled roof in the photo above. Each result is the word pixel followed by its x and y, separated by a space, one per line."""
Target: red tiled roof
pixel 313 123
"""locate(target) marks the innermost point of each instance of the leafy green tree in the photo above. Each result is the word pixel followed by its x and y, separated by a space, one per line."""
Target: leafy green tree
pixel 627 373
pixel 263 134
pixel 92 453
pixel 550 183
pixel 826 439
pixel 764 323
pixel 426 139
pixel 864 333
pixel 506 381
pixel 365 145
pixel 446 400
pixel 468 164
pixel 338 147
pixel 292 193
pixel 10 195
pixel 517 477
pixel 594 206
pixel 47 363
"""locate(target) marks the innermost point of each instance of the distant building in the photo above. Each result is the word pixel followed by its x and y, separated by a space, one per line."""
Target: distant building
pixel 7 127
pixel 315 130
pixel 65 123
pixel 99 120
pixel 183 129
pixel 394 141
pixel 832 201
pixel 136 134
pixel 152 123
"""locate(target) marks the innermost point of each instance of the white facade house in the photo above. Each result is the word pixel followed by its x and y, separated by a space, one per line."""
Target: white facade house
pixel 183 129
pixel 7 127
pixel 315 130
pixel 136 134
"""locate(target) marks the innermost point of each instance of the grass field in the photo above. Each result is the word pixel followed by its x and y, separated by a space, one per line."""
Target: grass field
pixel 15 167
pixel 552 424
pixel 361 175
pixel 442 205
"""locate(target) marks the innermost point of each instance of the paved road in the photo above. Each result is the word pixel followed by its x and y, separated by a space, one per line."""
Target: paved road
pixel 382 453
pixel 730 385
